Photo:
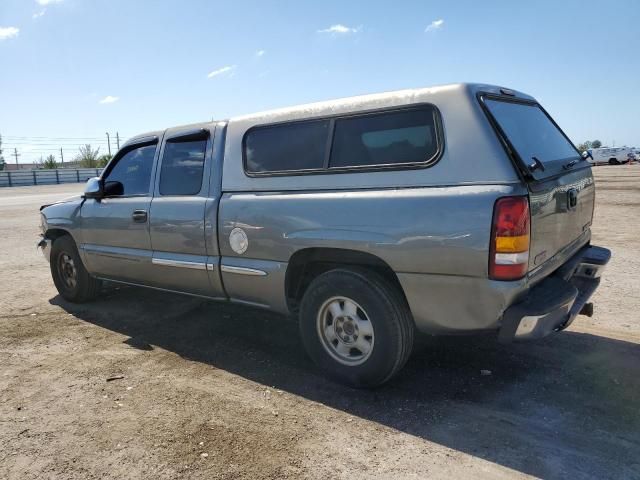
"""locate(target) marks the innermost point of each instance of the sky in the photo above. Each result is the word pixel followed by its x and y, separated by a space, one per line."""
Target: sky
pixel 72 70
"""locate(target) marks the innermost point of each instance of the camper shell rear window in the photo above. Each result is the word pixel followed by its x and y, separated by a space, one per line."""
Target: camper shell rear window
pixel 539 144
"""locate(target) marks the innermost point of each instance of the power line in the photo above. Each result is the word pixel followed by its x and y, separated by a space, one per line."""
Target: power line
pixel 54 141
pixel 33 147
pixel 55 144
pixel 51 136
pixel 19 137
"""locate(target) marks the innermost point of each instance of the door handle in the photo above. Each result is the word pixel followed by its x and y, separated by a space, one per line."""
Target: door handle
pixel 139 216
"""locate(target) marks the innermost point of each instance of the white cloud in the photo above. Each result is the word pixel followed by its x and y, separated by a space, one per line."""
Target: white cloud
pixel 260 53
pixel 47 2
pixel 435 25
pixel 8 32
pixel 221 71
pixel 39 14
pixel 339 29
pixel 109 99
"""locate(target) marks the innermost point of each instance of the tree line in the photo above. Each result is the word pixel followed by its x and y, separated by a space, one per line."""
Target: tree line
pixel 86 158
pixel 584 146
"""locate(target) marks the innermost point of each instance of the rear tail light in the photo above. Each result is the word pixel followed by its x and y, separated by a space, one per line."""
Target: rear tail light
pixel 510 235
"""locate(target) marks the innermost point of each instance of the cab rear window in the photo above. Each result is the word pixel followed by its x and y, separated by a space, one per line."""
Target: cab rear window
pixel 531 132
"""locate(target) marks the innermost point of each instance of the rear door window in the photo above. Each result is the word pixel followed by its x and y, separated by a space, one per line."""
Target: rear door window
pixel 182 167
pixel 400 137
pixel 531 132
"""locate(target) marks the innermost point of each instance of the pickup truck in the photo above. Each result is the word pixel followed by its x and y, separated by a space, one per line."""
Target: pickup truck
pixel 457 209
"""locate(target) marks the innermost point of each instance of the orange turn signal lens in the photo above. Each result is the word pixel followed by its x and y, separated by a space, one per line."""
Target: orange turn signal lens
pixel 512 244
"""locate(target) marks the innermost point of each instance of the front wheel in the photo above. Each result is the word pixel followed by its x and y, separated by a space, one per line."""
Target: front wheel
pixel 356 326
pixel 69 275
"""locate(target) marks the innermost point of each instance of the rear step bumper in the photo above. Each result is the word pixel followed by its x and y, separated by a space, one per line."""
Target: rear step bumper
pixel 558 299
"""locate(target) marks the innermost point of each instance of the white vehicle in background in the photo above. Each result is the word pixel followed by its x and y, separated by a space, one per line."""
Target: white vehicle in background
pixel 610 155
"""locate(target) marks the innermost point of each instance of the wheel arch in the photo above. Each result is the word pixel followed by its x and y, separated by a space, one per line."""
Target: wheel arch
pixel 56 232
pixel 306 264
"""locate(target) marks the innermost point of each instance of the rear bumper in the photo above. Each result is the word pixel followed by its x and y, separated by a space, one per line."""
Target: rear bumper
pixel 44 245
pixel 558 299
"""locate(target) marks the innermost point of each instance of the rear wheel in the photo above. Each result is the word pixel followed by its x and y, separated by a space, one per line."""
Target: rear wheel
pixel 356 326
pixel 614 161
pixel 69 275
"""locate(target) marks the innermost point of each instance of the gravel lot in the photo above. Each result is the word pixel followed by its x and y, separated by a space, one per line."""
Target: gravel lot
pixel 217 391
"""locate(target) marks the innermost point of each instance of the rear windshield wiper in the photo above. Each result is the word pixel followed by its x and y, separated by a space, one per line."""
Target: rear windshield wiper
pixel 570 164
pixel 537 164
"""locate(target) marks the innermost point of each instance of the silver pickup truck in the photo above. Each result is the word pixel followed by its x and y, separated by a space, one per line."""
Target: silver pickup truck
pixel 449 210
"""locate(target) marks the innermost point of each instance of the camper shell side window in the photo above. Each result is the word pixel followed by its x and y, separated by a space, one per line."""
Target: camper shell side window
pixel 409 137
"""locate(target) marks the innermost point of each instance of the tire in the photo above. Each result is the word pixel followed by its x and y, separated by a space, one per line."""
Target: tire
pixel 614 161
pixel 356 326
pixel 69 274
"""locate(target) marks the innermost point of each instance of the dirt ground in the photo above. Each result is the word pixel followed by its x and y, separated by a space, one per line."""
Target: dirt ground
pixel 215 391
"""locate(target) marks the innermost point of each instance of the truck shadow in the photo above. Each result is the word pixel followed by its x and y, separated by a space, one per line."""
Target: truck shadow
pixel 564 406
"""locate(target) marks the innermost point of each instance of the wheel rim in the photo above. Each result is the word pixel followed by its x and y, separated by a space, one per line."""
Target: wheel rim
pixel 345 331
pixel 67 270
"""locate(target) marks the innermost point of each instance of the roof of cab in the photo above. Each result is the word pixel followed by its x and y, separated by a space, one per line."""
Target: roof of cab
pixel 142 137
pixel 159 133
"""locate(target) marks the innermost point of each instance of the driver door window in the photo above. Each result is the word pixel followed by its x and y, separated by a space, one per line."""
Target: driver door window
pixel 131 175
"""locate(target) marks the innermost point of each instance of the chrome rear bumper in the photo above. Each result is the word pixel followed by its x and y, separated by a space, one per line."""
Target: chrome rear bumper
pixel 558 299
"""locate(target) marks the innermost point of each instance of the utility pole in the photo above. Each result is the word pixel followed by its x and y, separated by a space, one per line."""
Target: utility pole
pixel 61 156
pixel 118 140
pixel 16 154
pixel 108 143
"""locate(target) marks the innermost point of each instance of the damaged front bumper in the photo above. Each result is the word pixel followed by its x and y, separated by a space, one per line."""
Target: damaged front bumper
pixel 44 245
pixel 556 301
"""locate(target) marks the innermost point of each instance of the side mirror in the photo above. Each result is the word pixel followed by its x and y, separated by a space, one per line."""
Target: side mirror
pixel 113 188
pixel 586 155
pixel 93 188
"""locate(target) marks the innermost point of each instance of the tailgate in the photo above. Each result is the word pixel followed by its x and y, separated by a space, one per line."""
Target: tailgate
pixel 561 210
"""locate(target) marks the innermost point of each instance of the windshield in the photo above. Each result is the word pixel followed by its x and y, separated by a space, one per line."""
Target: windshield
pixel 531 132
